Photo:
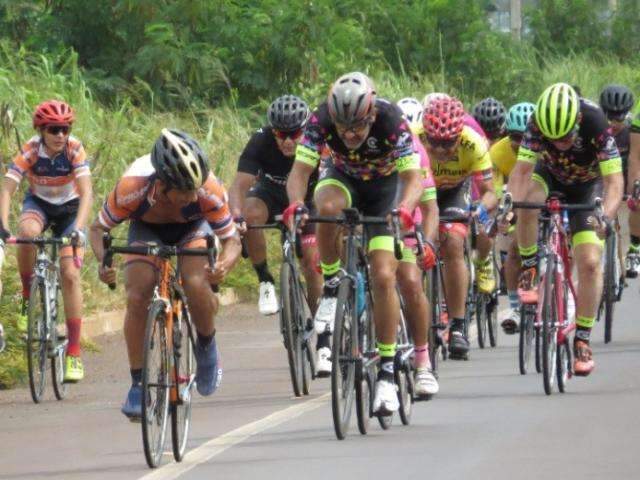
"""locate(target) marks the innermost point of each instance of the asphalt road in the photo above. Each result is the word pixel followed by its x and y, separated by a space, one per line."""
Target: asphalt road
pixel 487 422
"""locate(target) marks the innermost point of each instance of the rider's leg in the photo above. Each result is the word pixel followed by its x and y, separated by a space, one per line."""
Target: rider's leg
pixel 31 225
pixel 527 235
pixel 140 277
pixel 255 212
pixel 417 308
pixel 484 264
pixel 456 275
pixel 308 264
pixel 587 257
pixel 72 295
pixel 386 306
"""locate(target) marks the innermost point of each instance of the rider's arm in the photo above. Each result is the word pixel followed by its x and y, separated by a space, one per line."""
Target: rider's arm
pixel 96 232
pixel 85 191
pixel 411 188
pixel 9 187
pixel 487 194
pixel 231 250
pixel 634 159
pixel 298 181
pixel 613 189
pixel 519 180
pixel 430 218
pixel 238 192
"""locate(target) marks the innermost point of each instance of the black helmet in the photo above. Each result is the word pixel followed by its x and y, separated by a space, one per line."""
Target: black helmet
pixel 288 113
pixel 179 161
pixel 490 114
pixel 616 98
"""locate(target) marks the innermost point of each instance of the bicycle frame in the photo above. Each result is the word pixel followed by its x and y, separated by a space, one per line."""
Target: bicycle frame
pixel 556 245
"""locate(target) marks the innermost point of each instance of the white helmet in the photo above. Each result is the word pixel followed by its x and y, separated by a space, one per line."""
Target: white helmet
pixel 411 110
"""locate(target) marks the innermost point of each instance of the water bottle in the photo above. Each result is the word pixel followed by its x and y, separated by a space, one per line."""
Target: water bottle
pixel 360 294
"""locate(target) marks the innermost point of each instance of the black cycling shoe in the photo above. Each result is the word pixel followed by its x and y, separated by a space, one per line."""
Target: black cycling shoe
pixel 458 345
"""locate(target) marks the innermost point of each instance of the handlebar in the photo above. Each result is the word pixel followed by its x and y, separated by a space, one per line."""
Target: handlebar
pixel 41 242
pixel 161 251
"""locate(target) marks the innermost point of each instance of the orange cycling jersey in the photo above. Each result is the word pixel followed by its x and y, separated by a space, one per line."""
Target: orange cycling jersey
pixel 51 179
pixel 136 196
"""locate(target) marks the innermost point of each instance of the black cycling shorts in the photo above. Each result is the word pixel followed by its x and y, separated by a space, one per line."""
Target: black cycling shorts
pixel 275 198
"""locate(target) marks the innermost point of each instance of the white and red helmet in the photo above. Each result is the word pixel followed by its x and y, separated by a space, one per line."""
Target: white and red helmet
pixel 443 118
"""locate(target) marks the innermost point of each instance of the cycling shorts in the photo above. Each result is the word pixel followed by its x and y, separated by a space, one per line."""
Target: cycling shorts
pixel 455 202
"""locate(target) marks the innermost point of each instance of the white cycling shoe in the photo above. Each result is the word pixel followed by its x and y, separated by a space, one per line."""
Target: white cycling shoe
pixel 511 322
pixel 425 383
pixel 268 301
pixel 323 362
pixel 386 400
pixel 325 315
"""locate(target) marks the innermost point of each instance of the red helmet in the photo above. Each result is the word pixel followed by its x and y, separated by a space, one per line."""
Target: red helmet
pixel 443 118
pixel 53 112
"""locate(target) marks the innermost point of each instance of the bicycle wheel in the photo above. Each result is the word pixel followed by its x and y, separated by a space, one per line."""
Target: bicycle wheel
pixel 431 286
pixel 563 365
pixel 609 293
pixel 155 385
pixel 538 346
pixel 405 394
pixel 492 321
pixel 59 354
pixel 363 400
pixel 37 339
pixel 549 326
pixel 345 347
pixel 183 377
pixel 290 329
pixel 308 360
pixel 364 382
pixel 525 344
pixel 481 318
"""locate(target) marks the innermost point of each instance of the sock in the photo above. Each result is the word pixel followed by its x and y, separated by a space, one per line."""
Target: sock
pixel 422 359
pixel 457 324
pixel 262 270
pixel 387 355
pixel 73 334
pixel 529 256
pixel 205 340
pixel 514 300
pixel 583 333
pixel 25 278
pixel 635 244
pixel 329 271
pixel 136 376
pixel 324 340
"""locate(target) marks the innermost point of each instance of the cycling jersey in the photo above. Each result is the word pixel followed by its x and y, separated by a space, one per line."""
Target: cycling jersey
pixel 504 159
pixel 470 158
pixel 635 123
pixel 262 157
pixel 50 179
pixel 137 197
pixel 387 149
pixel 593 154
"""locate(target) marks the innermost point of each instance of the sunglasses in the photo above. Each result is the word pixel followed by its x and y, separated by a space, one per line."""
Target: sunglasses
pixel 442 143
pixel 355 128
pixel 616 117
pixel 56 129
pixel 294 135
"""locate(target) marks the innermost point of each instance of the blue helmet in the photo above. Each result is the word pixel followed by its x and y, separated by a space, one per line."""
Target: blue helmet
pixel 518 116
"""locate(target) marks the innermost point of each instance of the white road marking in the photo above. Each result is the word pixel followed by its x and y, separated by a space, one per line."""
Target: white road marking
pixel 216 446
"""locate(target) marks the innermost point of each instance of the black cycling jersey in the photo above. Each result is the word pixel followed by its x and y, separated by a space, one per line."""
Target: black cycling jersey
pixel 623 142
pixel 635 123
pixel 387 149
pixel 593 154
pixel 262 157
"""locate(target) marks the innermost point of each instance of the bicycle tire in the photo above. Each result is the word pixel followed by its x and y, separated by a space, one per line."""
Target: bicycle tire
pixel 525 341
pixel 37 339
pixel 345 335
pixel 481 319
pixel 308 361
pixel 538 349
pixel 563 365
pixel 431 286
pixel 549 326
pixel 364 382
pixel 58 366
pixel 183 378
pixel 363 400
pixel 405 395
pixel 288 315
pixel 492 323
pixel 609 295
pixel 155 408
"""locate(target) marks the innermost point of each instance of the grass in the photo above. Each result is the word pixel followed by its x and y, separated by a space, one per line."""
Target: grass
pixel 115 135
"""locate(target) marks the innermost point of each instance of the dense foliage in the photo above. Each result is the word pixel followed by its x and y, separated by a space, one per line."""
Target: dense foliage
pixel 176 53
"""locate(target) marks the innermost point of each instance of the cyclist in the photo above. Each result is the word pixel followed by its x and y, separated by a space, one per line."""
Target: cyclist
pixel 409 275
pixel 370 149
pixel 616 102
pixel 634 174
pixel 59 197
pixel 458 154
pixel 170 197
pixel 568 147
pixel 258 193
pixel 468 120
pixel 503 155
